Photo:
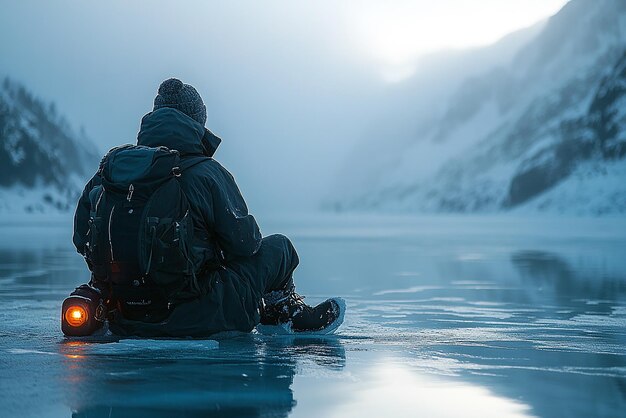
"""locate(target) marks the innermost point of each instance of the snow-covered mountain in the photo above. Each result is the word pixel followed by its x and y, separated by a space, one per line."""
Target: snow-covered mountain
pixel 544 131
pixel 43 162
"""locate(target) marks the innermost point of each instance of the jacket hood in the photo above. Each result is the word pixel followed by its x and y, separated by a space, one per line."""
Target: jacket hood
pixel 173 129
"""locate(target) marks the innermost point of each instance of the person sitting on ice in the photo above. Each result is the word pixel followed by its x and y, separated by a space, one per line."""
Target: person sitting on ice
pixel 169 241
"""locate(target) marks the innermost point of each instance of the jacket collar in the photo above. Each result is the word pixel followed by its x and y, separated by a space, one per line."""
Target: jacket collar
pixel 173 129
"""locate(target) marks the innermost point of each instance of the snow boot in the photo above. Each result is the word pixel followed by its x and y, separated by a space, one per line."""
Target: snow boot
pixel 288 308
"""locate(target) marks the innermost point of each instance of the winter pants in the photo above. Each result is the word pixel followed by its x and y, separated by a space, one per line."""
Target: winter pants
pixel 271 268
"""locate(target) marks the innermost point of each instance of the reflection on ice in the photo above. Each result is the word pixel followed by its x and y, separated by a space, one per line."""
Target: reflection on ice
pixel 394 391
pixel 246 375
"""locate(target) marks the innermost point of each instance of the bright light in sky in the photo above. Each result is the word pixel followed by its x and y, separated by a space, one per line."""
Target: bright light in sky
pixel 395 34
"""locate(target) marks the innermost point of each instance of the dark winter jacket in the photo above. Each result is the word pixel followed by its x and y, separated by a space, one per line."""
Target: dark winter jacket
pixel 219 211
pixel 222 223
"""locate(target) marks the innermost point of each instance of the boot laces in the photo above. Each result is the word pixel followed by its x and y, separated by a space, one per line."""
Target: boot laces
pixel 297 300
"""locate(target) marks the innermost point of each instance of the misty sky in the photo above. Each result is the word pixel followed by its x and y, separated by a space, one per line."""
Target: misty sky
pixel 289 85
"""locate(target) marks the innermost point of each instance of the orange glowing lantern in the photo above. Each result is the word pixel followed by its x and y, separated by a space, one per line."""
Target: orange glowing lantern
pixel 83 312
pixel 76 315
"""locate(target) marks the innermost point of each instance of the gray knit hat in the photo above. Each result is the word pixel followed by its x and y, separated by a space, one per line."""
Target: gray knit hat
pixel 183 97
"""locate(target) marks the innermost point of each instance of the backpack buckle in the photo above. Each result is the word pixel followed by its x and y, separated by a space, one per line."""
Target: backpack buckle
pixel 176 171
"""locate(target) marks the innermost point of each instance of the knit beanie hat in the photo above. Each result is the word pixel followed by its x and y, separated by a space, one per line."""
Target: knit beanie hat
pixel 183 97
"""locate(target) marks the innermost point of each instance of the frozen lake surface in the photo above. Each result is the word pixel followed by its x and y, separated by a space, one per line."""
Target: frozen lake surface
pixel 447 317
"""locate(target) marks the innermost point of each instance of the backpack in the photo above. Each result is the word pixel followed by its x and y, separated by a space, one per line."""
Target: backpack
pixel 140 235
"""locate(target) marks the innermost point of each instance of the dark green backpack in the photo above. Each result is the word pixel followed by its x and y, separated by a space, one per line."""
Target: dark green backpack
pixel 141 230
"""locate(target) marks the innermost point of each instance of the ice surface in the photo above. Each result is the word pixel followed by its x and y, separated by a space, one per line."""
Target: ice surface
pixel 446 316
pixel 149 345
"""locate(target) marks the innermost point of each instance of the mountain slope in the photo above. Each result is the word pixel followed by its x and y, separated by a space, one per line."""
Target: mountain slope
pixel 585 169
pixel 42 160
pixel 505 139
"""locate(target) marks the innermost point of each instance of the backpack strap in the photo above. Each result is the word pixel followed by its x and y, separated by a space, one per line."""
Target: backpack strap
pixel 92 246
